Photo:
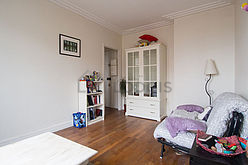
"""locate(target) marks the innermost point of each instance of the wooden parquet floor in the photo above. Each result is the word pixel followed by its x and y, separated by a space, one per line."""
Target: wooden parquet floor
pixel 122 140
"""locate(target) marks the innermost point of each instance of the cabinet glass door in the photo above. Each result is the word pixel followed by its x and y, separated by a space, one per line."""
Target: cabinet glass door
pixel 150 73
pixel 133 74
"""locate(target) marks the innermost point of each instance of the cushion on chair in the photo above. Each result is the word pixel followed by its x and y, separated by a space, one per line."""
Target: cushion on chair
pixel 191 108
pixel 223 107
pixel 184 114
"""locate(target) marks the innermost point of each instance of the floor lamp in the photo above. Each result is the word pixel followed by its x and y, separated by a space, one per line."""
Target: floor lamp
pixel 210 70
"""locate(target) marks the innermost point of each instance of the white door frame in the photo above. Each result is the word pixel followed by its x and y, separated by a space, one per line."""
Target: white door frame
pixel 119 70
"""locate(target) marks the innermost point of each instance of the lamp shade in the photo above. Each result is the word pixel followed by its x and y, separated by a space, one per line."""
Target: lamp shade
pixel 210 68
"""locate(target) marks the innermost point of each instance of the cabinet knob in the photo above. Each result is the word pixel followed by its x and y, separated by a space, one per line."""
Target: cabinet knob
pixel 152 104
pixel 152 112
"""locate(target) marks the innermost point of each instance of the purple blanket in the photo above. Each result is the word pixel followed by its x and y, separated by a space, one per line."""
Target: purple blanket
pixel 178 124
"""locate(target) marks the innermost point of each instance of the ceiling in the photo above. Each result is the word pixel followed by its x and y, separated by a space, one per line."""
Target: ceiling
pixel 128 16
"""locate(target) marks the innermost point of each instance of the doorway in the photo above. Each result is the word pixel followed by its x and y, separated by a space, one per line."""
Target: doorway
pixel 111 77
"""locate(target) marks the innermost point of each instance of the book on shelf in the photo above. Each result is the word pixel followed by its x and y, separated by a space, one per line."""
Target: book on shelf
pixel 92 113
pixel 89 100
pixel 95 99
pixel 98 112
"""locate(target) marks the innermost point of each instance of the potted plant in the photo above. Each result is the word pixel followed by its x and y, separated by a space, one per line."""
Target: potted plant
pixel 123 92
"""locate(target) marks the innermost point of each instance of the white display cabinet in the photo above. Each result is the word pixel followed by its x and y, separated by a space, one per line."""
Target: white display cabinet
pixel 146 76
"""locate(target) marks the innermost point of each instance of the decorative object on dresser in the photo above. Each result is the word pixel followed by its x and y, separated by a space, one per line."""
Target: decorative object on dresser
pixel 146 40
pixel 69 46
pixel 91 97
pixel 146 75
pixel 210 70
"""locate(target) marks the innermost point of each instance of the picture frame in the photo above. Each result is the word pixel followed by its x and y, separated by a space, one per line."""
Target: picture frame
pixel 69 46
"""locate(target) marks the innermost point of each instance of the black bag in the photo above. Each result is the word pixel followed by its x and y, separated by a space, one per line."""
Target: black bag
pixel 235 125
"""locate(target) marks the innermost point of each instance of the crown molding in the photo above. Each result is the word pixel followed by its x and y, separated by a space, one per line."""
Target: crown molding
pixel 198 9
pixel 169 18
pixel 148 27
pixel 87 15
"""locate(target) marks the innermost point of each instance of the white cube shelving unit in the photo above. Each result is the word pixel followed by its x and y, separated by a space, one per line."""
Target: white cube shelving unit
pixel 83 105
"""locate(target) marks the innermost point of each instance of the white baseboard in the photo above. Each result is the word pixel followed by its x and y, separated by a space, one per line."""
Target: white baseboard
pixel 53 128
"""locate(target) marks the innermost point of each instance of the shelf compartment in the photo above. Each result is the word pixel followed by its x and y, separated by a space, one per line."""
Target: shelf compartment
pixel 99 118
pixel 98 81
pixel 95 93
pixel 96 105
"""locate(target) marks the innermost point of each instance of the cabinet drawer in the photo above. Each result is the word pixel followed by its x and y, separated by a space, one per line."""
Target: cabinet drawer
pixel 142 111
pixel 143 103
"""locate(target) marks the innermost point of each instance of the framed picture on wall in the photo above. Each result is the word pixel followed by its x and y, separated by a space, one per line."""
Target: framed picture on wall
pixel 69 46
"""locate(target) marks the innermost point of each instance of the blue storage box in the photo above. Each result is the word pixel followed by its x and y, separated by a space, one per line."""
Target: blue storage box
pixel 79 120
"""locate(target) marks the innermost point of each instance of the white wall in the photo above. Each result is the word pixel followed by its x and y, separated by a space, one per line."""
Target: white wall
pixel 241 61
pixel 38 89
pixel 196 38
pixel 207 35
pixel 165 35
